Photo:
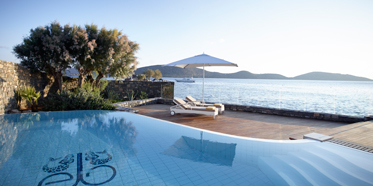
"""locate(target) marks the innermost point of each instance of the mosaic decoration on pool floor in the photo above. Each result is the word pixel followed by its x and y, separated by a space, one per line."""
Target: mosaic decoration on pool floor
pixel 94 158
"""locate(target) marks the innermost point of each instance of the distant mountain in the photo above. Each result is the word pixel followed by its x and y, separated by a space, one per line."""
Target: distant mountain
pixel 198 73
pixel 168 71
pixel 330 76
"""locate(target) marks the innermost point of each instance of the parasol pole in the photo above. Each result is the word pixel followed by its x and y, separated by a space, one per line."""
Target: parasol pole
pixel 203 85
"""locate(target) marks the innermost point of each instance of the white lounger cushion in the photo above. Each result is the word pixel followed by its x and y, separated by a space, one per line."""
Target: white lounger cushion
pixel 183 107
pixel 194 102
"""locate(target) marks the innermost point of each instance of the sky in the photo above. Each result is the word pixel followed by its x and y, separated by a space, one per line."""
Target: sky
pixel 287 37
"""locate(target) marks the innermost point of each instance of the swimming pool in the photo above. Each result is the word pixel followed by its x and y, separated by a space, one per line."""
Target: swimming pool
pixel 117 148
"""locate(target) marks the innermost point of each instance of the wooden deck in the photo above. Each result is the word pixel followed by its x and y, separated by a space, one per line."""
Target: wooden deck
pixel 265 126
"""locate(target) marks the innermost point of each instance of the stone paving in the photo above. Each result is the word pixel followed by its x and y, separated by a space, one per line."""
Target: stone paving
pixel 265 126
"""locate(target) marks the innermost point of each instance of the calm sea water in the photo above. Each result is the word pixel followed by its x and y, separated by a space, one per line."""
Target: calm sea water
pixel 353 98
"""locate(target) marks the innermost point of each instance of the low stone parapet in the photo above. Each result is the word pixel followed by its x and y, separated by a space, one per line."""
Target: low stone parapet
pixel 165 101
pixel 125 109
pixel 135 103
pixel 297 113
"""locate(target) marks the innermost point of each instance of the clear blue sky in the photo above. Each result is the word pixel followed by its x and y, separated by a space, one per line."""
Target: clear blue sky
pixel 285 37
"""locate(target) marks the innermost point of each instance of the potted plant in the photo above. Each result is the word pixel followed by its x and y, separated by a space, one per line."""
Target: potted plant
pixel 30 94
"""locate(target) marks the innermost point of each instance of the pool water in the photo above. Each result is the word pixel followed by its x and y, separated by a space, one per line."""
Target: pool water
pixel 117 148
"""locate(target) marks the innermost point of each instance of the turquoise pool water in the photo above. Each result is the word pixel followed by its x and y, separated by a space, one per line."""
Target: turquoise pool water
pixel 117 148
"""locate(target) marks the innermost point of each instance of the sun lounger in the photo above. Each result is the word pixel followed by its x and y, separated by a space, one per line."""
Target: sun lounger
pixel 194 102
pixel 183 107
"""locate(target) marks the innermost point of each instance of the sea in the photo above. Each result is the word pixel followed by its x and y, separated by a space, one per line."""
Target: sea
pixel 351 98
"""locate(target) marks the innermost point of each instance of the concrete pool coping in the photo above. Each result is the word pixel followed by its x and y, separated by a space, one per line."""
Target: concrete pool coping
pixel 265 126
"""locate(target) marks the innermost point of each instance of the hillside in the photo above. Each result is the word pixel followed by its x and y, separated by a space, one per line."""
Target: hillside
pixel 197 73
pixel 330 76
pixel 168 71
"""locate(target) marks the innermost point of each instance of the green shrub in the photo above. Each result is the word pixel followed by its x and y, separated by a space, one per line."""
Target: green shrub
pixel 141 77
pixel 80 99
pixel 112 95
pixel 131 95
pixel 18 97
pixel 29 94
pixel 96 90
pixel 142 95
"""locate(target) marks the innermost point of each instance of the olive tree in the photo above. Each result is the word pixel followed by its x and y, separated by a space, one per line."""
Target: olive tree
pixel 82 50
pixel 149 73
pixel 157 74
pixel 54 48
pixel 114 55
pixel 47 49
pixel 141 77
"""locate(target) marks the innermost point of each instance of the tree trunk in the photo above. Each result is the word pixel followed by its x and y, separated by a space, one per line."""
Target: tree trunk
pixel 81 78
pixel 57 75
pixel 100 75
pixel 59 80
pixel 90 77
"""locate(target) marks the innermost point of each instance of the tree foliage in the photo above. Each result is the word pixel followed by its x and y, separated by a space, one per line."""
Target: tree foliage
pixel 114 55
pixel 149 73
pixel 47 49
pixel 83 49
pixel 157 74
pixel 54 48
pixel 141 77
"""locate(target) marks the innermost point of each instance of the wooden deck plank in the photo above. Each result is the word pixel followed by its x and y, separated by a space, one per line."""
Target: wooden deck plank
pixel 264 126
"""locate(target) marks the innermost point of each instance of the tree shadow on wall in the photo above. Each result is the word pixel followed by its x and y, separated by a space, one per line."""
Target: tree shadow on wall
pixel 40 80
pixel 23 77
pixel 43 83
pixel 8 101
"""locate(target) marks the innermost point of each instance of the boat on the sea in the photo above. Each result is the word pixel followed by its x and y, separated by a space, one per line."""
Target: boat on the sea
pixel 186 80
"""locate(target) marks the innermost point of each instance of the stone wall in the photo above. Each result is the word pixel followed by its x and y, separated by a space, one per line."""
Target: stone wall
pixel 296 113
pixel 153 89
pixel 165 101
pixel 13 76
